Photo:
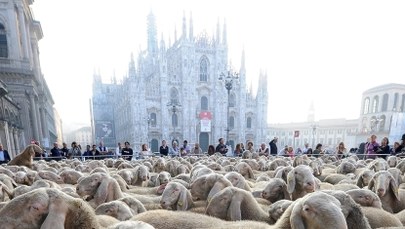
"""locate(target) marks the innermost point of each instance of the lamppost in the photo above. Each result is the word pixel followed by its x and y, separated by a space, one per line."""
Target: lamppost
pixel 174 106
pixel 228 81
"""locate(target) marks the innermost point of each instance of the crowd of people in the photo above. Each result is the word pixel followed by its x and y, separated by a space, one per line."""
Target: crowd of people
pixel 369 149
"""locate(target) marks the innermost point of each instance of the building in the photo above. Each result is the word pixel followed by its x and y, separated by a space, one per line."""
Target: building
pixel 82 136
pixel 20 71
pixel 174 92
pixel 382 112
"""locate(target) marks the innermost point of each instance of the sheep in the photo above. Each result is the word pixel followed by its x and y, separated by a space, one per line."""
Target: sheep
pixel 162 178
pixel 379 218
pixel 316 167
pixel 365 197
pixel 245 170
pixel 335 178
pixel 47 209
pixel 364 178
pixel 159 165
pixel 121 182
pixel 199 171
pixel 106 220
pixel 385 186
pixel 277 209
pixel 7 172
pixel 176 197
pixel 300 181
pixel 345 187
pixel 48 175
pixel 100 187
pixel 135 205
pixel 392 161
pixel 4 190
pixel 171 167
pixel 237 180
pixel 315 210
pixel 275 190
pixel 183 219
pixel 116 209
pixel 401 216
pixel 236 204
pixel 70 176
pixel 396 174
pixel 282 172
pixel 276 163
pixel 36 185
pixel 351 210
pixel 26 157
pixel 205 187
pixel 378 165
pixel 26 178
pixel 131 225
pixel 8 181
pixel 263 177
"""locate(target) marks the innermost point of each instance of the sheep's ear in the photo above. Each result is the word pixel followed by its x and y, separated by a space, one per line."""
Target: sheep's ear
pixel 317 183
pixel 371 184
pixel 394 188
pixel 157 181
pixel 135 175
pixel 102 191
pixel 185 201
pixel 291 181
pixel 218 186
pixel 279 174
pixel 295 219
pixel 234 212
pixel 56 216
pixel 251 175
pixel 360 181
pixel 285 192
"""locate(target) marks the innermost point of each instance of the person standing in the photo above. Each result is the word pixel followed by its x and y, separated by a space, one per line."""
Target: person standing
pixel 127 152
pixel 384 149
pixel 74 151
pixel 186 147
pixel 4 156
pixel 196 149
pixel 103 150
pixel 87 152
pixel 56 152
pixel 372 147
pixel 401 148
pixel 118 150
pixel 318 150
pixel 145 152
pixel 221 147
pixel 341 150
pixel 174 150
pixel 238 150
pixel 273 146
pixel 64 150
pixel 211 150
pixel 263 150
pixel 164 149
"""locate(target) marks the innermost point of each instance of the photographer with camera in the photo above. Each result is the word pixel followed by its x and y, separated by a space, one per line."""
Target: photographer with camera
pixel 221 147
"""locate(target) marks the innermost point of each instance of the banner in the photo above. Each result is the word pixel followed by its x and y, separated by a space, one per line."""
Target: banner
pixel 104 129
pixel 397 127
pixel 205 125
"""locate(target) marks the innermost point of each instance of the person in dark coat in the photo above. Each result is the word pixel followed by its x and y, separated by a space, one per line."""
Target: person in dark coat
pixel 4 156
pixel 221 147
pixel 56 152
pixel 273 146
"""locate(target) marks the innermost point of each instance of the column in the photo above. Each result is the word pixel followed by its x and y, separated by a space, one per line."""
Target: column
pixel 34 119
pixel 45 131
pixel 16 142
pixel 11 147
pixel 23 32
pixel 40 136
pixel 7 133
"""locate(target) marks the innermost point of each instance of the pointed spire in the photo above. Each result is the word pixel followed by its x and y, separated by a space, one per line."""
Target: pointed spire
pixel 96 76
pixel 131 67
pixel 184 32
pixel 217 39
pixel 175 34
pixel 152 34
pixel 242 62
pixel 191 35
pixel 224 36
pixel 162 43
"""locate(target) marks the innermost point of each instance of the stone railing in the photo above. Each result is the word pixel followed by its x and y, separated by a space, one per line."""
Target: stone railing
pixel 15 66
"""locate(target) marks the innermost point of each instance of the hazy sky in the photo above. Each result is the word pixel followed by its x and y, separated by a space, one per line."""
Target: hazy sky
pixel 328 52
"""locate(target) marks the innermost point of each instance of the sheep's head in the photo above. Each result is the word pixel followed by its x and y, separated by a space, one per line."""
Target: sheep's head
pixel 47 175
pixel 234 178
pixel 198 190
pixel 164 177
pixel 219 204
pixel 143 173
pixel 127 175
pixel 275 190
pixel 88 185
pixel 365 197
pixel 170 195
pixel 382 183
pixel 277 209
pixel 301 179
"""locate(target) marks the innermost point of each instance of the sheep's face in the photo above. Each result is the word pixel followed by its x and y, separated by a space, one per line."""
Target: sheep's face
pixel 365 198
pixel 219 204
pixel 110 209
pixel 198 189
pixel 143 173
pixel 277 209
pixel 347 167
pixel 126 175
pixel 392 161
pixel 305 179
pixel 170 196
pixel 21 177
pixel 382 183
pixel 164 177
pixel 47 175
pixel 316 168
pixel 89 185
pixel 367 176
pixel 274 189
pixel 233 178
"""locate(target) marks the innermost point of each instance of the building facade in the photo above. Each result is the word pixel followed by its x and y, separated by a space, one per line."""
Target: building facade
pixel 20 71
pixel 82 136
pixel 174 92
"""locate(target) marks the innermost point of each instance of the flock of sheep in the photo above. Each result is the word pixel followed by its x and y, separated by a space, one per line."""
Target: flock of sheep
pixel 202 192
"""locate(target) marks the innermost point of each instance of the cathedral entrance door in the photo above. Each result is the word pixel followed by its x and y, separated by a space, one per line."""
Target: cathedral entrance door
pixel 204 141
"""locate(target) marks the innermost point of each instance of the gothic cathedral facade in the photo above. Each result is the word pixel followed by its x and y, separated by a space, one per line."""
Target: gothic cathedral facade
pixel 173 92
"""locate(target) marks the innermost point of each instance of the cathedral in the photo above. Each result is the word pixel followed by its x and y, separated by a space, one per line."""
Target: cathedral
pixel 177 91
pixel 26 104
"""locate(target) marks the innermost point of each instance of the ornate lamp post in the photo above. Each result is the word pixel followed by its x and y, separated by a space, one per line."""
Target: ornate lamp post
pixel 174 106
pixel 228 82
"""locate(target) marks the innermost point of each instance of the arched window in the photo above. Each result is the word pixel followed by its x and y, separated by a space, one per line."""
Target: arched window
pixel 204 69
pixel 375 104
pixel 232 100
pixel 152 119
pixel 204 103
pixel 3 42
pixel 174 96
pixel 385 102
pixel 174 120
pixel 366 105
pixel 403 103
pixel 231 122
pixel 394 108
pixel 249 123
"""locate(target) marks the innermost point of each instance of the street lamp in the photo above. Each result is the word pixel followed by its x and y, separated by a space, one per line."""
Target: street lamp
pixel 228 81
pixel 174 106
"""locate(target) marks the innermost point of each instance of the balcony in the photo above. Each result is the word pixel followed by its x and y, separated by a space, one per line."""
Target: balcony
pixel 15 66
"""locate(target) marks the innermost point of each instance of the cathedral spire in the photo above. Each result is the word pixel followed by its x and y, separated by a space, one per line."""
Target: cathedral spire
pixel 224 37
pixel 175 34
pixel 217 39
pixel 242 62
pixel 191 35
pixel 184 32
pixel 162 43
pixel 131 66
pixel 152 34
